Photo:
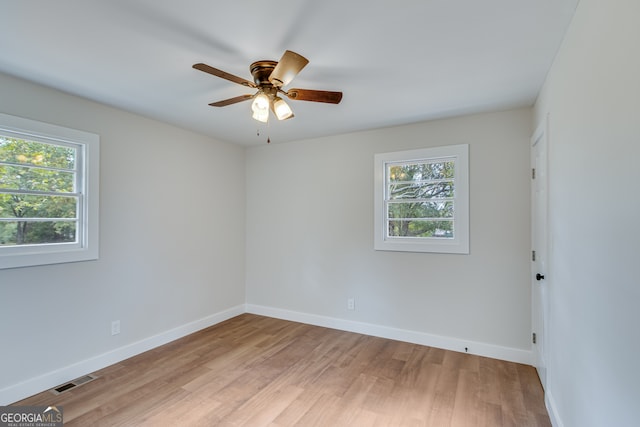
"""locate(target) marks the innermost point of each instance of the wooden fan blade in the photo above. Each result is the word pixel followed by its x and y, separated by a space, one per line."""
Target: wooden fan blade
pixel 315 95
pixel 289 66
pixel 230 101
pixel 223 75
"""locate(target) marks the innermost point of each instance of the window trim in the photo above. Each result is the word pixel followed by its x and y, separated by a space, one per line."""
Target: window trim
pixel 88 167
pixel 459 244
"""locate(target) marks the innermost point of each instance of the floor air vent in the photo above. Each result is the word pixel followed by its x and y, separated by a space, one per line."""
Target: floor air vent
pixel 73 384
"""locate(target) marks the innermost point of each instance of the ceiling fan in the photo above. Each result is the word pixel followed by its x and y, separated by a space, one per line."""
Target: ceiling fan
pixel 269 77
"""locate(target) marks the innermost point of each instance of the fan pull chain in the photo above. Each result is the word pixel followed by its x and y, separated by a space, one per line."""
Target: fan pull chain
pixel 268 129
pixel 268 136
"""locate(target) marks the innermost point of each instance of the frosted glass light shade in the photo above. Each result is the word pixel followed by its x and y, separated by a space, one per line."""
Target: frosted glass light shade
pixel 260 102
pixel 282 110
pixel 261 115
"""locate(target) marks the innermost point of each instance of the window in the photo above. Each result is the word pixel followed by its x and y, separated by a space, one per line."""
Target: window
pixel 422 200
pixel 48 193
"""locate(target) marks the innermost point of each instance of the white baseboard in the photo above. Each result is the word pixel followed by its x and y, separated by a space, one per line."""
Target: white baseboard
pixel 552 409
pixel 447 343
pixel 49 380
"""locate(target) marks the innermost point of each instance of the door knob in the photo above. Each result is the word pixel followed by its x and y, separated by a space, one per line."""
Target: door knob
pixel 539 276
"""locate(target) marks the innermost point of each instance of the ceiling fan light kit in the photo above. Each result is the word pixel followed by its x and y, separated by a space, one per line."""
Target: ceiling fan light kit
pixel 260 107
pixel 282 109
pixel 269 77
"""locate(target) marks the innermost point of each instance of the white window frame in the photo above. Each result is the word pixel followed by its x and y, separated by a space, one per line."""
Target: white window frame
pixel 88 164
pixel 459 244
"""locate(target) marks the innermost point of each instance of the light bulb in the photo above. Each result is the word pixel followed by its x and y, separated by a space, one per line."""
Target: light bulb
pixel 282 110
pixel 260 102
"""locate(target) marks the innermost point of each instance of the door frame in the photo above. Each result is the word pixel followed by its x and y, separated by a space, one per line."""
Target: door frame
pixel 540 244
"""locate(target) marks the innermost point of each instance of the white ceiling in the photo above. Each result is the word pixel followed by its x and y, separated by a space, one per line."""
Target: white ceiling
pixel 396 62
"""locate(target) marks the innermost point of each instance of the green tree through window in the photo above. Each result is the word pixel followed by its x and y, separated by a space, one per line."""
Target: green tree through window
pixel 38 199
pixel 420 199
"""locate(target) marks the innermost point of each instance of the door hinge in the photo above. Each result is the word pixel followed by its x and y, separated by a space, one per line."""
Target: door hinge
pixel 533 173
pixel 533 255
pixel 533 338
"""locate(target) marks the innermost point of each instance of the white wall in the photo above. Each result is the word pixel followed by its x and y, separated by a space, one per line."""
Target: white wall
pixel 310 237
pixel 592 96
pixel 171 247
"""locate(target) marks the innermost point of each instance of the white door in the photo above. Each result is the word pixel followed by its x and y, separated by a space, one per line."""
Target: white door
pixel 539 281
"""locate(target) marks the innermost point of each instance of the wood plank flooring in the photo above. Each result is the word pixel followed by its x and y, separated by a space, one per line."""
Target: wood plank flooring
pixel 259 371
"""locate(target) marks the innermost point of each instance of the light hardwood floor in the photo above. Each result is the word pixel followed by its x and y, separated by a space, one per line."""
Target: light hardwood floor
pixel 258 371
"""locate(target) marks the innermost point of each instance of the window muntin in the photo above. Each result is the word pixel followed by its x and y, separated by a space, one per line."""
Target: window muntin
pixel 48 193
pixel 421 200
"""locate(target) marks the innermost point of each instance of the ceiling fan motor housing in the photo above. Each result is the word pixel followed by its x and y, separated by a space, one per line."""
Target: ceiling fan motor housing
pixel 261 70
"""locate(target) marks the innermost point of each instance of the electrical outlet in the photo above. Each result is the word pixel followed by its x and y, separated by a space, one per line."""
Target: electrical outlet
pixel 351 304
pixel 115 327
